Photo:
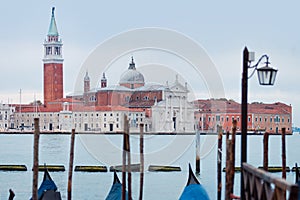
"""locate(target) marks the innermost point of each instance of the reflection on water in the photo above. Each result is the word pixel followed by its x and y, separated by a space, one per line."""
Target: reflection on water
pixel 106 150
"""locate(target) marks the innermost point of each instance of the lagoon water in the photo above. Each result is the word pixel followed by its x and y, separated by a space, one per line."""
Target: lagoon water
pixel 177 150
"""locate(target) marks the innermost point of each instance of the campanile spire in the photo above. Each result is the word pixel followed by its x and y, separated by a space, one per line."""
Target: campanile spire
pixel 53 63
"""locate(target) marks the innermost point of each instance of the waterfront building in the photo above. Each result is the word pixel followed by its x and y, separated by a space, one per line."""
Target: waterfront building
pixel 262 117
pixel 165 108
pixel 6 116
pixel 162 108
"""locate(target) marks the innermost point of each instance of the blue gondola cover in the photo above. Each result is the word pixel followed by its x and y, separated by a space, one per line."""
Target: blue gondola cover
pixel 194 192
pixel 115 192
pixel 47 184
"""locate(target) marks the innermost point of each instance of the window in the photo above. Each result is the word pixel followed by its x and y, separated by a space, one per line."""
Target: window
pixel 265 119
pixel 282 120
pixel 270 119
pixel 217 118
pixel 249 119
pixel 256 119
pixel 232 119
pixel 227 119
pixel 93 98
pixel 146 98
pixel 288 120
pixel 104 125
pixel 111 114
pixel 276 119
pixel 104 114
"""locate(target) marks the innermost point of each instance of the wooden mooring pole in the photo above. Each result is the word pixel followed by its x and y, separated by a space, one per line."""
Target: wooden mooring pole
pixel 124 159
pixel 283 154
pixel 228 168
pixel 234 123
pixel 297 173
pixel 35 159
pixel 142 161
pixel 71 164
pixel 266 151
pixel 219 161
pixel 230 161
pixel 129 162
pixel 198 151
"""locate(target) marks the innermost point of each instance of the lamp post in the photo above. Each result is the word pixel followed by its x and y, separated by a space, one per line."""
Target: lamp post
pixel 266 76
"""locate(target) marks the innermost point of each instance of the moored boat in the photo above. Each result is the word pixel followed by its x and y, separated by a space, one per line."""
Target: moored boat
pixel 48 189
pixel 193 190
pixel 115 192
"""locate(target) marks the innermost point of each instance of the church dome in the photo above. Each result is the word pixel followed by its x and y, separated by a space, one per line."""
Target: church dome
pixel 132 76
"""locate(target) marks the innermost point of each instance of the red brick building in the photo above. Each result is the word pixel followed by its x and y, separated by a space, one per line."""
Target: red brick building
pixel 131 92
pixel 261 117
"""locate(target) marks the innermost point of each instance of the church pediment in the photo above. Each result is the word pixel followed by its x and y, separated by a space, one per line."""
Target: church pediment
pixel 177 87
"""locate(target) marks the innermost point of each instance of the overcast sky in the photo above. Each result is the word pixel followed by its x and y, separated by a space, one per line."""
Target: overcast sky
pixel 222 28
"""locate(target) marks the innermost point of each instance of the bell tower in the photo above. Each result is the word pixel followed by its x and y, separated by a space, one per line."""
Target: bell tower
pixel 53 64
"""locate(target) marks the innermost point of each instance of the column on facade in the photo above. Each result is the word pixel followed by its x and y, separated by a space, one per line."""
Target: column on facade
pixel 166 109
pixel 180 108
pixel 202 122
pixel 185 112
pixel 171 114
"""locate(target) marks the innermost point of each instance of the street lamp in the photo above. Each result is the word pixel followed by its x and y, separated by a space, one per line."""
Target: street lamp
pixel 266 76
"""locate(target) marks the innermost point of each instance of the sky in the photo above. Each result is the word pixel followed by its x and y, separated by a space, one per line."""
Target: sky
pixel 221 28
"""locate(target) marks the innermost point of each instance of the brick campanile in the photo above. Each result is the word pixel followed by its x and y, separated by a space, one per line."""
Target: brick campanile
pixel 53 64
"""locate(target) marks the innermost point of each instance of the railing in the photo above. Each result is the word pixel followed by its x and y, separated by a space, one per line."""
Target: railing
pixel 261 185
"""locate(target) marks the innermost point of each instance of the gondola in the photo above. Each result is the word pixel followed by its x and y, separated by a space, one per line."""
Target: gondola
pixel 115 192
pixel 47 189
pixel 193 190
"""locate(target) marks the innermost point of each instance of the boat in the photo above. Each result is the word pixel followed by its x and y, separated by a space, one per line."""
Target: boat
pixel 194 189
pixel 115 192
pixel 48 189
pixel 11 194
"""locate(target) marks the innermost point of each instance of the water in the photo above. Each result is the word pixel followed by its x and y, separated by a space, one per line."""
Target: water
pixel 104 150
